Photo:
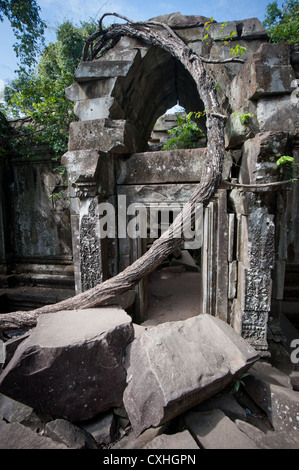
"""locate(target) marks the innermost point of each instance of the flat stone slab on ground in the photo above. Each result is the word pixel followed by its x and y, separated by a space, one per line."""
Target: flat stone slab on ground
pixel 132 442
pixel 13 411
pixel 180 440
pixel 69 434
pixel 224 402
pixel 176 365
pixel 279 440
pixel 272 391
pixel 214 430
pixel 71 364
pixel 17 436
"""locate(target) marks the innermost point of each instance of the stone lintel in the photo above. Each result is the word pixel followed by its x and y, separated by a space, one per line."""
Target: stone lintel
pixel 102 68
pixel 108 135
pixel 172 166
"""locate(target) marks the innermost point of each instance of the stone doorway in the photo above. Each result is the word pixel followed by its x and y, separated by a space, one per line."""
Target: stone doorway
pixel 118 99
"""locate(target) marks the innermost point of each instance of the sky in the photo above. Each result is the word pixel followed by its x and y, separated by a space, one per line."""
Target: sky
pixel 54 12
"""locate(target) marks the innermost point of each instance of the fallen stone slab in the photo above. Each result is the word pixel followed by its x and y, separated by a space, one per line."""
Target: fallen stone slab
pixel 254 433
pixel 69 434
pixel 180 440
pixel 225 402
pixel 272 391
pixel 279 440
pixel 130 441
pixel 71 364
pixel 17 436
pixel 177 365
pixel 214 430
pixel 267 372
pixel 15 412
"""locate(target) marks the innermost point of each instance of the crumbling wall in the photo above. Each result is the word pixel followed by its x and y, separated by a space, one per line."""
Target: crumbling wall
pixel 35 233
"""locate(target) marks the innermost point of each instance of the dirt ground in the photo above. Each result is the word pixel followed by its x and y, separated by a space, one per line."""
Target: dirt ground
pixel 173 295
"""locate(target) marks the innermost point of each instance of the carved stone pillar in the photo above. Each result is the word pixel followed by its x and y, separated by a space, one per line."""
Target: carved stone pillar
pixel 93 148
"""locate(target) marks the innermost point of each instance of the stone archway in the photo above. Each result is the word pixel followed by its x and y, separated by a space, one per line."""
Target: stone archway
pixel 113 127
pixel 153 82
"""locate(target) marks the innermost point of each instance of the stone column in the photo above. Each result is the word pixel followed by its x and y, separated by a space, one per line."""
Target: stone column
pixel 256 259
pixel 255 225
pixel 208 260
pixel 89 249
pixel 93 148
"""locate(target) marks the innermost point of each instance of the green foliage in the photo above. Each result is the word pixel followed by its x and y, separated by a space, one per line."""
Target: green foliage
pixel 285 159
pixel 228 38
pixel 186 134
pixel 40 95
pixel 244 118
pixel 238 50
pixel 239 382
pixel 207 26
pixel 27 26
pixel 288 163
pixel 282 24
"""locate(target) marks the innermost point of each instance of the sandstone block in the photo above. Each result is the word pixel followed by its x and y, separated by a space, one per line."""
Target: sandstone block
pixel 251 28
pixel 69 434
pixel 260 155
pixel 71 364
pixel 226 403
pixel 214 430
pixel 100 68
pixel 177 20
pixel 17 436
pixel 104 133
pixel 97 108
pixel 161 167
pixel 180 440
pixel 279 440
pixel 13 411
pixel 82 165
pixel 90 90
pixel 286 114
pixel 176 365
pixel 267 72
pixel 132 442
pixel 254 433
pixel 220 31
pixel 270 389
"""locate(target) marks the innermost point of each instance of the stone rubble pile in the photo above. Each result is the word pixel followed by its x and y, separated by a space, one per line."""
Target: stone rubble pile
pixel 92 380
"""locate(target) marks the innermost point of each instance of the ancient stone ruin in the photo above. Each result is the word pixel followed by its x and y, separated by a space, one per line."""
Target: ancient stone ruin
pixel 249 238
pixel 207 315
